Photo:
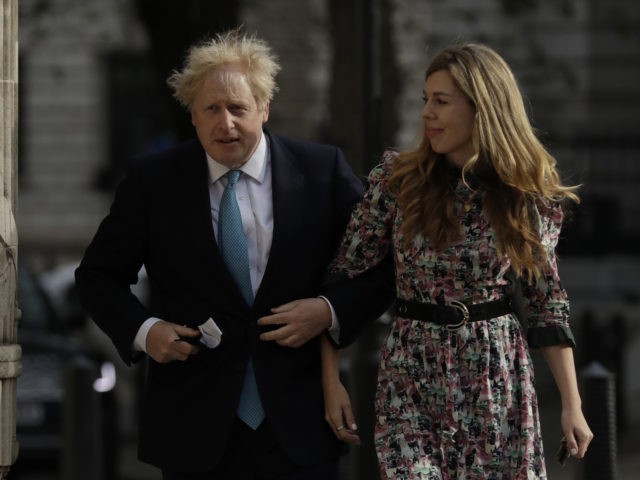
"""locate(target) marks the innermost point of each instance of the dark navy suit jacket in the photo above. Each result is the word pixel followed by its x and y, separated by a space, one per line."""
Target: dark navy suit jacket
pixel 161 219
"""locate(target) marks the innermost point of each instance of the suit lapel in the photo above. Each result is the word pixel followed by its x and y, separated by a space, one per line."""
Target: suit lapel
pixel 288 183
pixel 195 205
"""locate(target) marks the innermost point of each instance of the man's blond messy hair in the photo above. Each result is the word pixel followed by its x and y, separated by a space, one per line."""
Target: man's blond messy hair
pixel 233 47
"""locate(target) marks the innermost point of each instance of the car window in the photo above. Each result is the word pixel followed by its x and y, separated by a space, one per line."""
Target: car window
pixel 37 313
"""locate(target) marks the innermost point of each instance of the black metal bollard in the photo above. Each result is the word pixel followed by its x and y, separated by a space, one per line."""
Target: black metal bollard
pixel 600 462
pixel 362 382
pixel 82 457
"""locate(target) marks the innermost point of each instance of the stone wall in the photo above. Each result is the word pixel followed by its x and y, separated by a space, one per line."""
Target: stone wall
pixel 10 352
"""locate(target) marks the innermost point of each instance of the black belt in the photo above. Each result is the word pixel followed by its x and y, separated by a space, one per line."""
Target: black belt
pixel 453 314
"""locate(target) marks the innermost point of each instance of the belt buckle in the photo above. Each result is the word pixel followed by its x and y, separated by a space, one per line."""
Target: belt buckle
pixel 465 314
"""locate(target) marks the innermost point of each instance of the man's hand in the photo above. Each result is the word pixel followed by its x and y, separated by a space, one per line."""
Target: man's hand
pixel 299 321
pixel 167 342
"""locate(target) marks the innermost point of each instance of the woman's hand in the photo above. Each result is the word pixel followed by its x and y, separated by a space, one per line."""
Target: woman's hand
pixel 576 431
pixel 574 425
pixel 337 405
pixel 338 413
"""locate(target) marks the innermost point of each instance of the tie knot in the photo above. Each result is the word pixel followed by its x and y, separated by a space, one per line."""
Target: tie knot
pixel 233 176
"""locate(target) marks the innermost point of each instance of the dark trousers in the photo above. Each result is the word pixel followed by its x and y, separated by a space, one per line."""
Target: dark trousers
pixel 256 455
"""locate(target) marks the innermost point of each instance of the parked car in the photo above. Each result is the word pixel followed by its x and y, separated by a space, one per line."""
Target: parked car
pixel 66 408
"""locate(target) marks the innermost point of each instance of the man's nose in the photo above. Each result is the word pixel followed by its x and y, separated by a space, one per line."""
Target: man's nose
pixel 226 120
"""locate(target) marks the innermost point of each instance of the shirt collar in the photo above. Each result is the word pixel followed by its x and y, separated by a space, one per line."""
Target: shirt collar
pixel 255 167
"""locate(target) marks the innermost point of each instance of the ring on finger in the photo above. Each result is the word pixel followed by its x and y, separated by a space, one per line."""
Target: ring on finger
pixel 339 428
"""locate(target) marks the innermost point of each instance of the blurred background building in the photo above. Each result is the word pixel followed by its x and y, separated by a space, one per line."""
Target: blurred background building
pixel 93 93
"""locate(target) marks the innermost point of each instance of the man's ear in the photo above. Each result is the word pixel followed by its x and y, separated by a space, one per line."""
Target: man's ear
pixel 265 113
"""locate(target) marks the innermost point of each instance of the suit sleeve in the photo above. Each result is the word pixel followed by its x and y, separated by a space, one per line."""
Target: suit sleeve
pixel 360 300
pixel 110 266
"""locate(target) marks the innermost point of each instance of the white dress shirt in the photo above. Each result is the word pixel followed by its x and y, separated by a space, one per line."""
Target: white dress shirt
pixel 255 200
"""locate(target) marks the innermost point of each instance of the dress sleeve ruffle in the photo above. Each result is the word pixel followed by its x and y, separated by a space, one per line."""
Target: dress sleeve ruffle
pixel 538 337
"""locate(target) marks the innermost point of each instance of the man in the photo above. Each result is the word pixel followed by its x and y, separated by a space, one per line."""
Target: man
pixel 219 402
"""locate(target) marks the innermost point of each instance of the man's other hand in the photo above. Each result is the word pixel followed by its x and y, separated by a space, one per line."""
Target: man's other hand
pixel 167 342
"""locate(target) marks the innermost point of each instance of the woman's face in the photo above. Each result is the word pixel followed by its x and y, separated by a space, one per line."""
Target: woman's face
pixel 448 118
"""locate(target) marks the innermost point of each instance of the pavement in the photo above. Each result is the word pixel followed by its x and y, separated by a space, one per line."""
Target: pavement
pixel 625 467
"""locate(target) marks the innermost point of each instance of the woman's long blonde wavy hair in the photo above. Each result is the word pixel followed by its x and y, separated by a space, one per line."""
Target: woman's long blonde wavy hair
pixel 514 165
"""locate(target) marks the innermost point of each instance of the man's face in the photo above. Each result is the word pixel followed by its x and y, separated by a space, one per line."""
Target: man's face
pixel 227 118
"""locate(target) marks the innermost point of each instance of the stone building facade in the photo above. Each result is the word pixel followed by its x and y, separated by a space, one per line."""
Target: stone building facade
pixel 63 132
pixel 576 60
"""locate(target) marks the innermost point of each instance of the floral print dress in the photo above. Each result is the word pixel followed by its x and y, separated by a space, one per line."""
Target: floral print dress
pixel 456 404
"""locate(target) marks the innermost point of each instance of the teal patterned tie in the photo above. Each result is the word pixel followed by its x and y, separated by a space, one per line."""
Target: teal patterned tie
pixel 233 247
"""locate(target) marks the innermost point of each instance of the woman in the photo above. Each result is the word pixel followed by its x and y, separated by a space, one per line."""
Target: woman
pixel 478 198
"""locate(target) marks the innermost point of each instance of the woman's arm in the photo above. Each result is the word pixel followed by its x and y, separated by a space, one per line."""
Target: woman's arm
pixel 574 425
pixel 337 404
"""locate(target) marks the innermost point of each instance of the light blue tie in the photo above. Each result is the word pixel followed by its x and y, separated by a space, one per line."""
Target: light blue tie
pixel 233 247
